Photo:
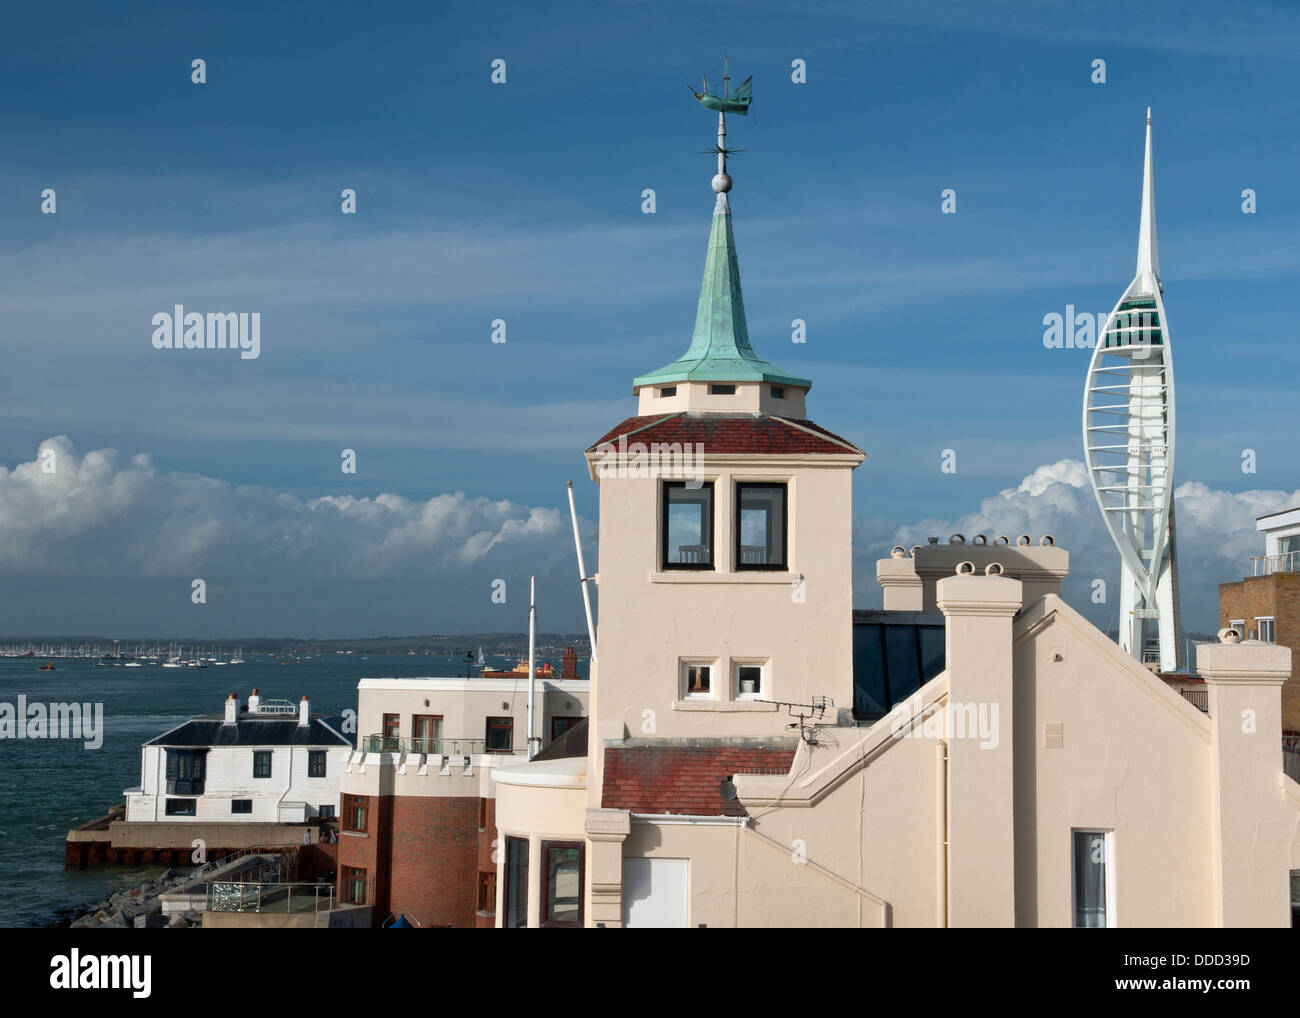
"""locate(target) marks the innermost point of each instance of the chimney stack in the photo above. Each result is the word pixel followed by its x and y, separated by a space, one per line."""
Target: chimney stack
pixel 232 710
pixel 569 667
pixel 253 702
pixel 304 713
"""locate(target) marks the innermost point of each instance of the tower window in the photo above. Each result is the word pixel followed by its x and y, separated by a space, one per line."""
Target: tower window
pixel 760 526
pixel 722 390
pixel 697 679
pixel 668 390
pixel 687 525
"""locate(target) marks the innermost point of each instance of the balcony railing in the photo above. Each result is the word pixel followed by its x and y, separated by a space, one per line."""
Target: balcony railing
pixel 1198 698
pixel 423 747
pixel 263 897
pixel 1288 562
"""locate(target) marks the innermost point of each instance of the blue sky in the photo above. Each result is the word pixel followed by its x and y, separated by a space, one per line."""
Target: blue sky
pixel 522 201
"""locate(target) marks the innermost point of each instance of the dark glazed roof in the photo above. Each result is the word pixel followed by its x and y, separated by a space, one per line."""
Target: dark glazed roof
pixel 256 731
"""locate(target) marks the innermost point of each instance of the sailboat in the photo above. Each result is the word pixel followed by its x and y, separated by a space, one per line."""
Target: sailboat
pixel 481 659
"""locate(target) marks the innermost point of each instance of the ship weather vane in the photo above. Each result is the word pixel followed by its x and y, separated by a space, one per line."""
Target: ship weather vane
pixel 729 102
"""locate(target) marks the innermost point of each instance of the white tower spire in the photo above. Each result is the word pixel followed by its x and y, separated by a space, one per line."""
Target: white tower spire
pixel 1128 441
pixel 1148 260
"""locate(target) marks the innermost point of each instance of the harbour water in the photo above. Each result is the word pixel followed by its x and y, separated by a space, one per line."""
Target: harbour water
pixel 50 785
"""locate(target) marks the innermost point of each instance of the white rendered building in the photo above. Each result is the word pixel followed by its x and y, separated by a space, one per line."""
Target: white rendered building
pixel 271 763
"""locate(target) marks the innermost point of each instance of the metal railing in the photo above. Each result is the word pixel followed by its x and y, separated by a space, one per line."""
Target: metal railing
pixel 1198 698
pixel 265 897
pixel 1288 562
pixel 424 747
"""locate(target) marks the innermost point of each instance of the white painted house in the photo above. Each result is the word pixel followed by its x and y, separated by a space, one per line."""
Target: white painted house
pixel 269 763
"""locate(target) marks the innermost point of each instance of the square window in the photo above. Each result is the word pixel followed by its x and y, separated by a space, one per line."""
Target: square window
pixel 760 526
pixel 356 812
pixel 687 525
pixel 516 890
pixel 241 805
pixel 500 735
pixel 749 681
pixel 1093 879
pixel 697 679
pixel 181 807
pixel 316 763
pixel 668 390
pixel 354 886
pixel 562 889
pixel 261 763
pixel 325 812
pixel 778 392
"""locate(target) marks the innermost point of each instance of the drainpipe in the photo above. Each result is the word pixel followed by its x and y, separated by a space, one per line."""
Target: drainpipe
pixel 941 826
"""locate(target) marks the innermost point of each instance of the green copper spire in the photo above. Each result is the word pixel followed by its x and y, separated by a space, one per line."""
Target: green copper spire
pixel 720 350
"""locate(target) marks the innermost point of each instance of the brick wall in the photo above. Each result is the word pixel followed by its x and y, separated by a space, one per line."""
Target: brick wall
pixel 424 855
pixel 1277 594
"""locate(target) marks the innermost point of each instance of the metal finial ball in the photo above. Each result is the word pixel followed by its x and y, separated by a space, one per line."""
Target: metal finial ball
pixel 722 183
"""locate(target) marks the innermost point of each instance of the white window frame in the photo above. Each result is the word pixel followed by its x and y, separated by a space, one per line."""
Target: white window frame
pixel 683 677
pixel 1109 836
pixel 764 667
pixel 1272 630
pixel 1240 626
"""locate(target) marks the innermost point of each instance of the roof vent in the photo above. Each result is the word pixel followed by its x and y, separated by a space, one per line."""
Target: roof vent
pixel 980 539
pixel 993 569
pixel 965 568
pixel 1023 540
pixel 1047 541
pixel 898 551
pixel 957 539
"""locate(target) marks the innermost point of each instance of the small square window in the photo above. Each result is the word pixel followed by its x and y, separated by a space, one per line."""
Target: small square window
pixel 241 805
pixel 316 763
pixel 778 392
pixel 261 763
pixel 181 807
pixel 500 735
pixel 1094 866
pixel 354 886
pixel 697 680
pixel 668 390
pixel 356 812
pixel 749 681
pixel 325 812
pixel 722 390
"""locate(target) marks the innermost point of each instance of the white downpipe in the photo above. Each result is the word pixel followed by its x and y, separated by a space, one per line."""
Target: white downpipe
pixel 532 656
pixel 582 574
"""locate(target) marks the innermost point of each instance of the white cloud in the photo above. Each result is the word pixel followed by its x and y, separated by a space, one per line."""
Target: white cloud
pixel 1215 533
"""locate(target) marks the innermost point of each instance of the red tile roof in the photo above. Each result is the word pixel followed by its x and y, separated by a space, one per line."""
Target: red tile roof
pixel 686 779
pixel 759 434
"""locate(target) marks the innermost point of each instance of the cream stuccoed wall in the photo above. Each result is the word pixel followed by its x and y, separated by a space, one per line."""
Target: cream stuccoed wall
pixel 540 801
pixel 466 704
pixel 749 397
pixel 796 621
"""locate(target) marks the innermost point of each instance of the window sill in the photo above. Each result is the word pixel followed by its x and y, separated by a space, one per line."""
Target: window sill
pixel 755 576
pixel 723 705
pixel 354 834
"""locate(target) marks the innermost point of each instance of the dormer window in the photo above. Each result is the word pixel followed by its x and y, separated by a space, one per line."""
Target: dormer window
pixel 668 390
pixel 760 526
pixel 722 390
pixel 687 525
